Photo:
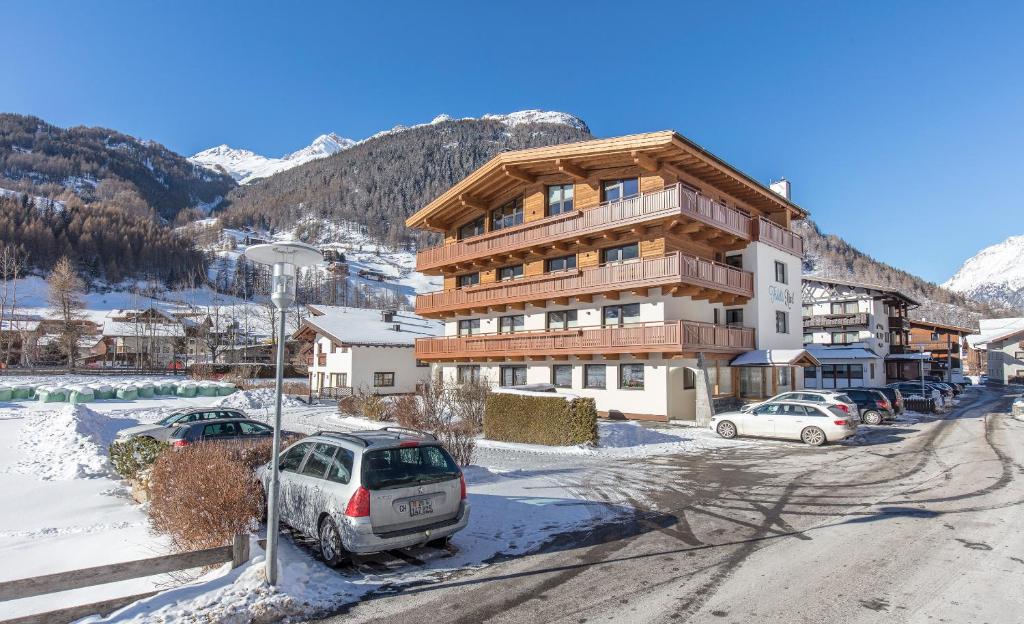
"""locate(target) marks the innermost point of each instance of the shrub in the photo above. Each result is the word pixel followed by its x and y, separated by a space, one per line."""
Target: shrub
pixel 375 407
pixel 205 494
pixel 550 420
pixel 458 438
pixel 469 402
pixel 132 456
pixel 406 412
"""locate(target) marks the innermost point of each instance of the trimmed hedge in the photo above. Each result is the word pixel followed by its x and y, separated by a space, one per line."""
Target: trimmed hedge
pixel 132 456
pixel 550 420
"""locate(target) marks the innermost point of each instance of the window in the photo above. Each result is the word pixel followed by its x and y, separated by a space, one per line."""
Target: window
pixel 621 253
pixel 615 190
pixel 339 380
pixel 735 260
pixel 808 338
pixel 220 430
pixel 845 307
pixel 469 327
pixel 783 375
pixel 293 457
pixel 935 336
pixel 563 319
pixel 811 372
pixel 594 376
pixel 559 199
pixel 508 215
pixel 780 272
pixel 620 314
pixel 782 322
pixel 856 371
pixel 473 228
pixel 631 376
pixel 510 272
pixel 319 459
pixel 845 337
pixel 689 379
pixel 564 263
pixel 422 364
pixel 734 317
pixel 871 368
pixel 383 380
pixel 469 279
pixel 467 373
pixel 561 375
pixel 248 428
pixel 513 375
pixel 509 324
pixel 339 469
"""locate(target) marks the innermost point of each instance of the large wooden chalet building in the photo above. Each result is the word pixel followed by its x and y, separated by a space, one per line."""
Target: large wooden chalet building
pixel 642 271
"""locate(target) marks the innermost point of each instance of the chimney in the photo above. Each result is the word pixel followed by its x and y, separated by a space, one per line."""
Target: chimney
pixel 781 187
pixel 387 315
pixel 397 327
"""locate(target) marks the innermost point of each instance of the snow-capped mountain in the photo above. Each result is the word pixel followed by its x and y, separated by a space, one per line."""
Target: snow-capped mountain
pixel 245 166
pixel 995 274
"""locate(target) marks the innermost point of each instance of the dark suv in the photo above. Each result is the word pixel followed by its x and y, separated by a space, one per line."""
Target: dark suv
pixel 893 394
pixel 875 407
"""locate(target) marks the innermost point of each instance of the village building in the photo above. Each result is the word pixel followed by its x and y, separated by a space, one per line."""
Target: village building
pixel 859 333
pixel 944 346
pixel 148 338
pixel 642 271
pixel 364 350
pixel 997 350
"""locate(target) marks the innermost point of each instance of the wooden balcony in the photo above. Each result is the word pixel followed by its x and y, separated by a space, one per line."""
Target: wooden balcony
pixel 668 337
pixel 836 320
pixel 935 345
pixel 899 322
pixel 779 237
pixel 676 273
pixel 675 202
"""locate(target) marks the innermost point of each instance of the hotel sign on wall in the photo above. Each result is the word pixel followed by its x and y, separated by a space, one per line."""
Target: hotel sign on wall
pixel 781 296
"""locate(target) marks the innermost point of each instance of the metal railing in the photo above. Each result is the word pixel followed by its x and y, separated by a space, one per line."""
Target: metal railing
pixel 674 200
pixel 673 268
pixel 661 336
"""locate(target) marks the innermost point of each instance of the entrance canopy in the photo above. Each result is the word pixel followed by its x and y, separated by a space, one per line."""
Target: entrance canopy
pixel 829 355
pixel 775 357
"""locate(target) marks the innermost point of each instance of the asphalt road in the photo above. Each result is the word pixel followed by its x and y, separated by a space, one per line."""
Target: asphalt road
pixel 910 523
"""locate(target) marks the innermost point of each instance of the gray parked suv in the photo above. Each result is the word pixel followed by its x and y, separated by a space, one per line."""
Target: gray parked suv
pixel 370 491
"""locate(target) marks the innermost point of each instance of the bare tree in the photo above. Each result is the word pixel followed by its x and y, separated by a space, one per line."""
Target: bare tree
pixel 12 263
pixel 65 299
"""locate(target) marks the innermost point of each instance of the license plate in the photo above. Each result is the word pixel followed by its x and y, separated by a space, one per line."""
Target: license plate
pixel 420 507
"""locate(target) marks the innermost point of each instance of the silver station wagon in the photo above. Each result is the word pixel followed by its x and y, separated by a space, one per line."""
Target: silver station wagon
pixel 368 491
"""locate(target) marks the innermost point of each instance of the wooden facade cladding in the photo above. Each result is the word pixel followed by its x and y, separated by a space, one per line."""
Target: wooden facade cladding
pixel 666 337
pixel 678 205
pixel 676 273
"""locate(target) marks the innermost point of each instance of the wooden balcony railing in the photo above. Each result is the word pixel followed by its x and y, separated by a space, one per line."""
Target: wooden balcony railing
pixel 779 237
pixel 836 320
pixel 899 322
pixel 664 337
pixel 934 345
pixel 672 201
pixel 674 268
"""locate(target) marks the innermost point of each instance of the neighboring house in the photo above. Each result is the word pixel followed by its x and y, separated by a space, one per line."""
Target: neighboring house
pixel 19 335
pixel 358 349
pixel 1006 357
pixel 859 333
pixel 945 346
pixel 976 356
pixel 634 270
pixel 144 338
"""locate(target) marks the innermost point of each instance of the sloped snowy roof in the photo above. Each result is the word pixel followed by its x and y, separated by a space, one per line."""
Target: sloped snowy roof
pixel 909 356
pixel 830 354
pixel 361 326
pixel 774 357
pixel 126 328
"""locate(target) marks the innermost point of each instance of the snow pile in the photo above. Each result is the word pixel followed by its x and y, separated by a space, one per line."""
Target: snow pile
pixel 70 443
pixel 260 398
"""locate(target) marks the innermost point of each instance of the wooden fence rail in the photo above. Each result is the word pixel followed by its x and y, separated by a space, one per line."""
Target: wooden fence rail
pixel 237 554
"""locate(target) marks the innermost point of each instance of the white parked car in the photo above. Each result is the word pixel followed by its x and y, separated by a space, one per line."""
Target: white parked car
pixel 814 423
pixel 370 491
pixel 820 397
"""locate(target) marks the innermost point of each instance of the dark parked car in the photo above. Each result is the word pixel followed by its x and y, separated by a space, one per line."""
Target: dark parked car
pixel 162 429
pixel 875 407
pixel 893 394
pixel 224 430
pixel 914 387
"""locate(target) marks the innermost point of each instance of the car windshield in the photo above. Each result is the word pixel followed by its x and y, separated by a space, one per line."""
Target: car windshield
pixel 844 398
pixel 169 420
pixel 413 465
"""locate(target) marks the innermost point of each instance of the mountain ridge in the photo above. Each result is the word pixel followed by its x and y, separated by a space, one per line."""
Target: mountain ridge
pixel 995 274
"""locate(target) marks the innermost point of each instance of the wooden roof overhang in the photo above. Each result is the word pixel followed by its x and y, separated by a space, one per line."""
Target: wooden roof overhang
pixel 655 151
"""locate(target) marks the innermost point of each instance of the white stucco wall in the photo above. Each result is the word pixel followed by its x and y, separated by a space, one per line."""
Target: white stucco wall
pixel 771 296
pixel 359 363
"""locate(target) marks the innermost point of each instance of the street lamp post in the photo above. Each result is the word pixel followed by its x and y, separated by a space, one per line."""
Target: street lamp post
pixel 285 258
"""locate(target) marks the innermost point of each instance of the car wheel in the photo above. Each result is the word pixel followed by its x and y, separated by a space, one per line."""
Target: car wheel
pixel 872 417
pixel 331 548
pixel 813 436
pixel 726 429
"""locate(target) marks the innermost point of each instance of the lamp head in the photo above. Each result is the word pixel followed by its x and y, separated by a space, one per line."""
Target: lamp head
pixel 286 258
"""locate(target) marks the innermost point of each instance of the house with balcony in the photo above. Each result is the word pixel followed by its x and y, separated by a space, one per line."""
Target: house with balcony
pixel 944 347
pixel 358 349
pixel 1000 345
pixel 859 332
pixel 642 271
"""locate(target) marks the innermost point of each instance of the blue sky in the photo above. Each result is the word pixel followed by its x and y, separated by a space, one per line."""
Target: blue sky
pixel 900 124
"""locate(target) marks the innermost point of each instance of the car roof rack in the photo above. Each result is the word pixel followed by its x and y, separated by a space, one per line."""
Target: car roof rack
pixel 409 430
pixel 343 435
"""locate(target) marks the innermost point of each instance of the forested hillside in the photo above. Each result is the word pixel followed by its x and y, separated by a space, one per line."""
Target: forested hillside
pixel 831 256
pixel 105 166
pixel 383 180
